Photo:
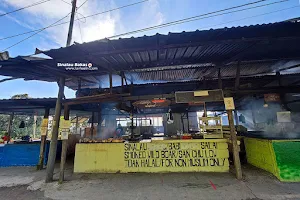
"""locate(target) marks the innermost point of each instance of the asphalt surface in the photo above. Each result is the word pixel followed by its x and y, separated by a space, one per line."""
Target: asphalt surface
pixel 28 184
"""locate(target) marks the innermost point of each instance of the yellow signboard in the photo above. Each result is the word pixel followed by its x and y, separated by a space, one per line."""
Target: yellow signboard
pixel 64 128
pixel 201 93
pixel 229 103
pixel 159 156
pixel 168 155
pixel 44 127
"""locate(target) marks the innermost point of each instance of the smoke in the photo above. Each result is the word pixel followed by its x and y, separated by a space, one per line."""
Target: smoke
pixel 261 117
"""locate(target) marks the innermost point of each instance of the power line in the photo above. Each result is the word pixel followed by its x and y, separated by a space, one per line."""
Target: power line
pixel 82 4
pixel 275 11
pixel 35 33
pixel 66 2
pixel 25 33
pixel 80 31
pixel 79 28
pixel 34 4
pixel 198 17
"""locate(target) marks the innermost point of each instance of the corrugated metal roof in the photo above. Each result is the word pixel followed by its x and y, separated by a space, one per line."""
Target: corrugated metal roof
pixel 174 57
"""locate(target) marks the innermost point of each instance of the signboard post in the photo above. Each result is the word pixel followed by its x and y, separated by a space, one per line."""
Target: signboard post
pixel 44 131
pixel 229 106
pixel 65 125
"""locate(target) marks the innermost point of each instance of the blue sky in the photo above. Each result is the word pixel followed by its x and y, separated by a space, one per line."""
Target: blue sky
pixel 150 13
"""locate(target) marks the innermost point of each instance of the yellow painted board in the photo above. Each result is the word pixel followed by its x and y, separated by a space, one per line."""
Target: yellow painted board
pixel 260 153
pixel 163 156
pixel 201 93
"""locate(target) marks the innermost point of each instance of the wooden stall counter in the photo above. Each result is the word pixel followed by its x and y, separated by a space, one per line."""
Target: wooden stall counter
pixel 195 155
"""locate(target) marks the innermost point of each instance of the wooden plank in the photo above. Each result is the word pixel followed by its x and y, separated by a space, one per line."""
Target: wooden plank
pixel 236 156
pixel 40 164
pixel 53 144
pixel 64 148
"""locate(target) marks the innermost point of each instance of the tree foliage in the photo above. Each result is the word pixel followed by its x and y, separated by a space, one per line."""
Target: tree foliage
pixel 19 132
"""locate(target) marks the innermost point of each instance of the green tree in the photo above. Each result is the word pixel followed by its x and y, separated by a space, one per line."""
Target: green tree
pixel 3 124
pixel 19 132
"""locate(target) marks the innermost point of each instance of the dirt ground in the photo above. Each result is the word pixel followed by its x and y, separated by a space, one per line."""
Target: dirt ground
pixel 25 183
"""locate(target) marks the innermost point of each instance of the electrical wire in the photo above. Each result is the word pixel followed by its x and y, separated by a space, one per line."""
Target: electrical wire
pixel 80 30
pixel 82 4
pixel 35 33
pixel 66 2
pixel 83 17
pixel 189 19
pixel 169 23
pixel 275 11
pixel 34 4
pixel 25 33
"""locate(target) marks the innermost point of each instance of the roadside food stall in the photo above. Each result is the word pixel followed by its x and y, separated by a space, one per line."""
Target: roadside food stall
pixel 177 151
pixel 237 60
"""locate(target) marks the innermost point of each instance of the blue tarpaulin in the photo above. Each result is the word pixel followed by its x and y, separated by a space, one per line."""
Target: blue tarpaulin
pixel 19 154
pixel 24 154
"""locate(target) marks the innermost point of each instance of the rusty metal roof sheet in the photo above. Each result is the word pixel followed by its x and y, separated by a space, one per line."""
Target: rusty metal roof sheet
pixel 174 57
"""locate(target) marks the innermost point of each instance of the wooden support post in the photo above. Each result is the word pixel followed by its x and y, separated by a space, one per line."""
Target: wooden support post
pixel 122 79
pixel 188 122
pixel 220 79
pixel 182 123
pixel 64 148
pixel 284 105
pixel 99 126
pixel 34 125
pixel 40 165
pixel 76 125
pixel 253 114
pixel 131 118
pixel 236 156
pixel 9 128
pixel 110 83
pixel 237 76
pixel 92 127
pixel 79 87
pixel 236 118
pixel 204 110
pixel 53 144
pixel 278 78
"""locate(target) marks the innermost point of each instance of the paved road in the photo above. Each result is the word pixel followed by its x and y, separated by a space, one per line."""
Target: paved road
pixel 28 184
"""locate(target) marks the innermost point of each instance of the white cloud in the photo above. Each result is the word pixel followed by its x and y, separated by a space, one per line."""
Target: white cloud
pixel 93 28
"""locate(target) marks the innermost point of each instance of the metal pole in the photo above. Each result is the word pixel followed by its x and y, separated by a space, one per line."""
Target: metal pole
pixel 236 156
pixel 53 144
pixel 71 23
pixel 34 125
pixel 9 128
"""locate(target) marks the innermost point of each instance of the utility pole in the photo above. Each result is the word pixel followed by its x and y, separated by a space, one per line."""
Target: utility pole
pixel 71 23
pixel 61 85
